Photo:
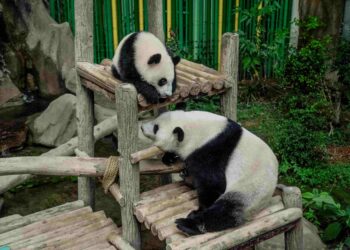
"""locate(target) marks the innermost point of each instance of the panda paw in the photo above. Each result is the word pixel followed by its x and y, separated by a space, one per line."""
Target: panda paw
pixel 169 158
pixel 188 226
pixel 194 214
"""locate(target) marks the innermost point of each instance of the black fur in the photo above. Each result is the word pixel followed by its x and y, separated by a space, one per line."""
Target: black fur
pixel 179 133
pixel 170 158
pixel 227 212
pixel 207 166
pixel 155 59
pixel 129 73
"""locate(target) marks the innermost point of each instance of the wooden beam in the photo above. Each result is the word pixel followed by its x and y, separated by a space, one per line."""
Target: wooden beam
pixel 155 18
pixel 145 154
pixel 229 66
pixel 83 12
pixel 127 110
pixel 73 166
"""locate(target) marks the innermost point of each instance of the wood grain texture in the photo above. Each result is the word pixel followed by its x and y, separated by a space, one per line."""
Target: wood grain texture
pixel 155 18
pixel 229 66
pixel 292 199
pixel 83 12
pixel 127 110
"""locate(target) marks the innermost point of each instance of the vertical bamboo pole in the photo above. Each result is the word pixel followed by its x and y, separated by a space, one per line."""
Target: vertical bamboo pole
pixel 142 26
pixel 168 18
pixel 294 238
pixel 126 106
pixel 85 103
pixel 115 23
pixel 155 18
pixel 294 29
pixel 229 66
pixel 220 30
pixel 237 16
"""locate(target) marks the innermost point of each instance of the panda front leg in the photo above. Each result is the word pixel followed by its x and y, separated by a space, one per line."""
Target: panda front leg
pixel 226 212
pixel 148 91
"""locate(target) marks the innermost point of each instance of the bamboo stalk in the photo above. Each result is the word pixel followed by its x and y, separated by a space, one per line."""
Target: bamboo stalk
pixel 119 242
pixel 200 73
pixel 145 154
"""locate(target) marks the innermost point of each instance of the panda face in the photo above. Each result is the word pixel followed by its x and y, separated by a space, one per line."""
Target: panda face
pixel 183 132
pixel 154 63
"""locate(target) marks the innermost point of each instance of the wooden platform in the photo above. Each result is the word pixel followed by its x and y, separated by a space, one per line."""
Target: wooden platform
pixel 69 226
pixel 159 208
pixel 192 80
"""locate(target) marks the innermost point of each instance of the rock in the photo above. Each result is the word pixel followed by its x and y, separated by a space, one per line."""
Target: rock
pixel 46 48
pixel 311 239
pixel 8 91
pixel 57 124
pixel 13 134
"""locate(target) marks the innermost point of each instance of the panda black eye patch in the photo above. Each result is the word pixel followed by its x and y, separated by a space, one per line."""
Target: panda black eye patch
pixel 155 128
pixel 162 82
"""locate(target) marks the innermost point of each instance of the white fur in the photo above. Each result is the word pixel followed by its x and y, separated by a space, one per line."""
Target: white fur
pixel 252 168
pixel 146 45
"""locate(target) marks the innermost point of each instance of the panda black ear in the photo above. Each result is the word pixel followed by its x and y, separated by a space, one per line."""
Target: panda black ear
pixel 176 59
pixel 155 59
pixel 180 133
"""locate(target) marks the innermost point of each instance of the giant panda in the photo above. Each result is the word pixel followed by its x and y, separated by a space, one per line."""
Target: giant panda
pixel 233 170
pixel 143 60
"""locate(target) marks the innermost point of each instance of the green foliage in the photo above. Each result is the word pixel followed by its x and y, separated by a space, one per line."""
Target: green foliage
pixel 300 137
pixel 324 211
pixel 205 103
pixel 254 51
pixel 342 64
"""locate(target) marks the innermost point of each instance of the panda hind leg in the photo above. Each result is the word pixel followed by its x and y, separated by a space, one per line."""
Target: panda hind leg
pixel 226 212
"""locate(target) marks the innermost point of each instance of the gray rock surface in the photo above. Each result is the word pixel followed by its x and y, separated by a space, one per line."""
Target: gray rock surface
pixel 311 239
pixel 43 46
pixel 57 124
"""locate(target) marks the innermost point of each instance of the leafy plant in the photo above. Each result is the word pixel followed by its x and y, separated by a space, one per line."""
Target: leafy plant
pixel 323 210
pixel 254 50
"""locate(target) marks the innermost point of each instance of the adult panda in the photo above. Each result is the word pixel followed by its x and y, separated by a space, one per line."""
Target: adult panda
pixel 234 171
pixel 143 60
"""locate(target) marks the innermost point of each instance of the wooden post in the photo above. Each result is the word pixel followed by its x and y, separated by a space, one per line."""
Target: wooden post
pixel 229 66
pixel 294 28
pixel 83 11
pixel 129 174
pixel 155 18
pixel 294 238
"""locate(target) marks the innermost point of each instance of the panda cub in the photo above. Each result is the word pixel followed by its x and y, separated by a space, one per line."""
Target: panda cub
pixel 143 60
pixel 233 171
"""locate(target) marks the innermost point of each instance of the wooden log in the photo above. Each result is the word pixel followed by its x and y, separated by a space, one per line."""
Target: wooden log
pixel 101 130
pixel 60 236
pixel 145 154
pixel 9 218
pixel 45 224
pixel 157 167
pixel 144 210
pixel 184 89
pixel 175 237
pixel 66 224
pixel 74 166
pixel 292 199
pixel 199 73
pixel 233 237
pixel 167 222
pixel 117 194
pixel 186 206
pixel 155 18
pixel 229 67
pixel 60 165
pixel 146 194
pixel 127 110
pixel 88 84
pixel 41 215
pixel 167 231
pixel 83 41
pixel 102 246
pixel 205 84
pixel 164 195
pixel 89 239
pixel 200 67
pixel 119 242
pixel 195 88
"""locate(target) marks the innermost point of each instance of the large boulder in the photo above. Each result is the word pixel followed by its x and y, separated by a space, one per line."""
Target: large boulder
pixel 57 124
pixel 311 239
pixel 44 47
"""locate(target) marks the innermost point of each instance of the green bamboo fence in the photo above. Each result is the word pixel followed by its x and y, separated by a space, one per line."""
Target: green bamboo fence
pixel 194 22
